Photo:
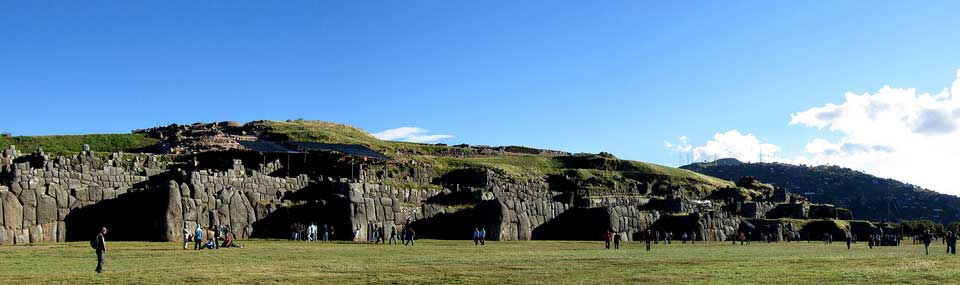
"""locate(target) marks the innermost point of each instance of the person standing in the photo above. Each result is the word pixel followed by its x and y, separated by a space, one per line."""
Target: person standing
pixel 606 239
pixel 927 239
pixel 197 237
pixel 649 238
pixel 217 233
pixel 100 245
pixel 186 236
pixel 951 243
pixel 326 233
pixel 356 233
pixel 849 240
pixel 616 241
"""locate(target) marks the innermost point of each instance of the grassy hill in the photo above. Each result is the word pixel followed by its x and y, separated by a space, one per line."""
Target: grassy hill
pixel 72 144
pixel 518 165
pixel 868 196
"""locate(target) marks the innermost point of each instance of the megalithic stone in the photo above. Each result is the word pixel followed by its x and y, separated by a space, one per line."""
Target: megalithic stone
pixel 12 211
pixel 174 214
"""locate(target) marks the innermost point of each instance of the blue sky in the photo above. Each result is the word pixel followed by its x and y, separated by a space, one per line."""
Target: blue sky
pixel 615 76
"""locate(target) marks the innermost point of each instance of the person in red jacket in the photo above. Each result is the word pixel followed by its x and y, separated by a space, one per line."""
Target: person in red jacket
pixel 606 239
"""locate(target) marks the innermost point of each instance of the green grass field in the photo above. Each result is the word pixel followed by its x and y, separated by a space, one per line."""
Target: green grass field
pixel 446 262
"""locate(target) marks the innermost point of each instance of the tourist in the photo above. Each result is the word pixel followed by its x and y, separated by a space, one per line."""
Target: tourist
pixel 870 243
pixel 331 233
pixel 216 235
pixel 411 235
pixel 648 237
pixel 616 240
pixel 326 233
pixel 99 244
pixel 293 231
pixel 211 244
pixel 393 234
pixel 483 236
pixel 684 238
pixel 927 239
pixel 356 233
pixel 228 242
pixel 476 236
pixel 606 239
pixel 186 236
pixel 849 240
pixel 951 242
pixel 197 237
pixel 382 235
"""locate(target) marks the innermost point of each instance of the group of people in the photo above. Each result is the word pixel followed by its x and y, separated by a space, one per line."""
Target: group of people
pixel 479 236
pixel 615 237
pixel 377 234
pixel 218 236
pixel 311 232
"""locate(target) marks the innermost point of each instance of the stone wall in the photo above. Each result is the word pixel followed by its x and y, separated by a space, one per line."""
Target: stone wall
pixel 41 195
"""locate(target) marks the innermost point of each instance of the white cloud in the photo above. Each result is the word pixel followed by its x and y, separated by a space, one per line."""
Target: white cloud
pixel 410 134
pixel 733 144
pixel 894 132
pixel 681 146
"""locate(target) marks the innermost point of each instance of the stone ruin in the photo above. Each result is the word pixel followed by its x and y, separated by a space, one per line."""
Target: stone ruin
pixel 148 197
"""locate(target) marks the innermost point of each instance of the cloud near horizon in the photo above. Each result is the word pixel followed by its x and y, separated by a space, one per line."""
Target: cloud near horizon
pixel 730 144
pixel 893 133
pixel 410 134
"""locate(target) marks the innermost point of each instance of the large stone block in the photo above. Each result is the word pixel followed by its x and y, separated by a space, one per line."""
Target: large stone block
pixel 49 231
pixel 189 209
pixel 21 236
pixel 173 217
pixel 36 234
pixel 28 199
pixel 5 237
pixel 61 231
pixel 47 210
pixel 96 193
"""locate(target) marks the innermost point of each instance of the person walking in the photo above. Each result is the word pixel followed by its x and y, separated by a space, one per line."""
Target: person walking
pixel 197 237
pixel 483 236
pixel 99 244
pixel 382 234
pixel 411 235
pixel 927 239
pixel 393 234
pixel 476 236
pixel 849 240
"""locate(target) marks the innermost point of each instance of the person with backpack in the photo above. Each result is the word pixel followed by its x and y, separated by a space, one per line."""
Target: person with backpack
pixel 198 238
pixel 99 243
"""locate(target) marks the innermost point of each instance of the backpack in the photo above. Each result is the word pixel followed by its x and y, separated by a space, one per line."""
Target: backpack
pixel 94 242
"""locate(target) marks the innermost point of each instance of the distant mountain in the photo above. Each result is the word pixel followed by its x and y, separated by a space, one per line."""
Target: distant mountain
pixel 868 196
